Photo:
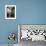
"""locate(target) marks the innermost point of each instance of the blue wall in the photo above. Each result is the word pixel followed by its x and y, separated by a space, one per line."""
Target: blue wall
pixel 27 12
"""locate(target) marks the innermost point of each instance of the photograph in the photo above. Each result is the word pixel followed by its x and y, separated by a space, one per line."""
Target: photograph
pixel 10 11
pixel 30 33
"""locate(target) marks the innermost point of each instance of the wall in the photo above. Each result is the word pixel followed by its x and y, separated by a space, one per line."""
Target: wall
pixel 27 12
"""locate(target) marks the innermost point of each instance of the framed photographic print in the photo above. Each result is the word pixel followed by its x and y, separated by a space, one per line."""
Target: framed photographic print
pixel 10 11
pixel 33 32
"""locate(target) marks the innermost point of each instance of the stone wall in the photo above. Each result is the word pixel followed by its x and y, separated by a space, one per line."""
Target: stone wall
pixel 33 27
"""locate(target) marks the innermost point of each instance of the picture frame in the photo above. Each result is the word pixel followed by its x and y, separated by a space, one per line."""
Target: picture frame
pixel 36 32
pixel 10 11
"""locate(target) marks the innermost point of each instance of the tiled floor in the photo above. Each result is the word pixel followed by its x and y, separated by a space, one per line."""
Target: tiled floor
pixel 9 45
pixel 34 43
pixel 28 43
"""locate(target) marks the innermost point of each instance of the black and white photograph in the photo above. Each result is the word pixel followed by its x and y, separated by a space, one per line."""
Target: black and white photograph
pixel 10 11
pixel 28 34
